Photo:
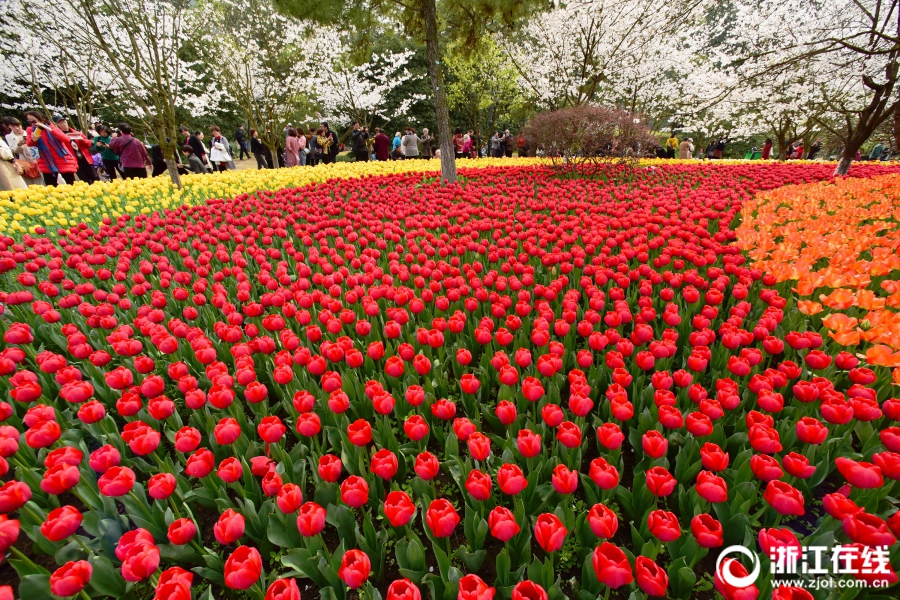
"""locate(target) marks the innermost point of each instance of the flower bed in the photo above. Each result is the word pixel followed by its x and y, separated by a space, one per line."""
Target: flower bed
pixel 522 386
pixel 837 244
pixel 21 211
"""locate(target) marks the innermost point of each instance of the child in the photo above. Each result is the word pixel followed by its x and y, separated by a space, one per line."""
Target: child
pixel 193 161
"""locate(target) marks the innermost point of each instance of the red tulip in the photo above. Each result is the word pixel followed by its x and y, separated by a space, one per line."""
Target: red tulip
pixel 603 474
pixel 711 487
pixel 528 443
pixel 175 584
pixel 652 580
pixel 603 521
pixel 355 568
pixel 354 491
pixel 384 464
pixel 511 479
pixel 528 590
pixel 70 578
pixel 140 562
pixel 310 519
pixel 549 532
pixel 9 532
pixel 478 485
pixel 398 508
pixel 659 481
pixel 283 589
pixel 200 463
pixel 289 499
pixel 427 466
pixel 61 523
pixel 161 486
pixel 472 587
pixel 564 480
pixel 441 518
pixel 785 499
pixel 707 531
pixel 402 589
pixel 770 539
pixel 229 528
pixel 568 434
pixel 611 566
pixel 181 531
pixel 330 468
pixel 243 568
pixel 868 530
pixel 859 474
pixel 503 524
pixel 729 592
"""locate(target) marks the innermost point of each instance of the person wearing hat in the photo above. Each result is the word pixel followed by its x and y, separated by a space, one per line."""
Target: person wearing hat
pixel 81 145
pixel 686 149
pixel 55 155
pixel 334 148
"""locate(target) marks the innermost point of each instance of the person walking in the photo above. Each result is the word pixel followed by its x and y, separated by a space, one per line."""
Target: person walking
pixel 109 158
pixel 241 142
pixel 292 149
pixel 258 150
pixel 672 145
pixel 359 142
pixel 685 149
pixel 81 146
pixel 220 152
pixel 522 143
pixel 426 140
pixel 766 149
pixel 132 153
pixel 333 146
pixel 381 144
pixel 410 144
pixel 467 146
pixel 27 156
pixel 56 158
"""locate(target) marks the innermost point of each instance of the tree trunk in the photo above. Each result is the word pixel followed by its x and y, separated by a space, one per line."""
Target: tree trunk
pixel 844 164
pixel 173 172
pixel 441 110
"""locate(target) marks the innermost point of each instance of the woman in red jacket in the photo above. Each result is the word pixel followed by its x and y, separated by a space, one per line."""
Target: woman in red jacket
pixel 82 147
pixel 57 157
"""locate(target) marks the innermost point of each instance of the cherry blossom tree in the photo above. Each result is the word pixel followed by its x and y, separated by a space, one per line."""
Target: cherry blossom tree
pixel 140 51
pixel 347 92
pixel 853 47
pixel 259 58
pixel 634 54
pixel 58 77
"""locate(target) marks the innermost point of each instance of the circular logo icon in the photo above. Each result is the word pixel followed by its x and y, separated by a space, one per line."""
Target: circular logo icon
pixel 730 578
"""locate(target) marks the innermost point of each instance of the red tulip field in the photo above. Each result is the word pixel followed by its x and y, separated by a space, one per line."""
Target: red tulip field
pixel 519 386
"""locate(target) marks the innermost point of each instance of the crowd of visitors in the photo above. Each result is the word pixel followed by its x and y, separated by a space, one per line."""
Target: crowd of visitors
pixel 50 151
